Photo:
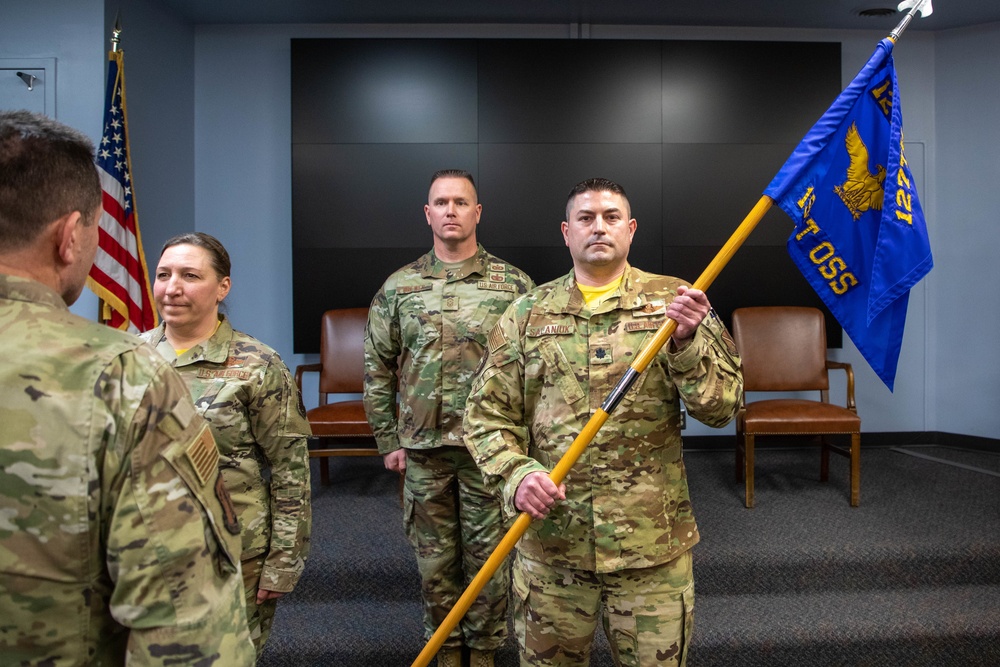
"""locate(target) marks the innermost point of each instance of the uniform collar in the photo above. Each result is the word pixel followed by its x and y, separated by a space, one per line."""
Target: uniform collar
pixel 432 267
pixel 567 298
pixel 17 288
pixel 214 350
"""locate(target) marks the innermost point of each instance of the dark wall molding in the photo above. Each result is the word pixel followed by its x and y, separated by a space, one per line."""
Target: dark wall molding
pixel 875 439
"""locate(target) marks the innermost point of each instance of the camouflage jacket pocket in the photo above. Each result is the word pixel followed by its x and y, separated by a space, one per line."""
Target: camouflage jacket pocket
pixel 560 370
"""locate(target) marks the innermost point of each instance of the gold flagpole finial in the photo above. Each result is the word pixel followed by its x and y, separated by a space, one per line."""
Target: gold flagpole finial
pixel 116 32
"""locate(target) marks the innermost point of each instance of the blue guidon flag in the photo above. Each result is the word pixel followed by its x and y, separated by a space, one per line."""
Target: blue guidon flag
pixel 860 238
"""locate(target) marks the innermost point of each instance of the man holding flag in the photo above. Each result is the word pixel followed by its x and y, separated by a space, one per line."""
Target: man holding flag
pixel 614 542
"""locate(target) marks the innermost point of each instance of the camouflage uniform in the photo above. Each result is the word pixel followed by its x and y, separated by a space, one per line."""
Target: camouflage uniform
pixel 551 363
pixel 431 324
pixel 246 393
pixel 113 531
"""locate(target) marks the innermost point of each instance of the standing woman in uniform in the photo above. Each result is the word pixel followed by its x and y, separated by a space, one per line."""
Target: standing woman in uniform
pixel 249 399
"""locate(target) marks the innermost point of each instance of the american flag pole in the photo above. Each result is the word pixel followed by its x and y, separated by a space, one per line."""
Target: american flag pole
pixel 119 276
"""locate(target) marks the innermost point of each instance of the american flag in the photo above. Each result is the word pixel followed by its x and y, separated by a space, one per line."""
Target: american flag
pixel 119 276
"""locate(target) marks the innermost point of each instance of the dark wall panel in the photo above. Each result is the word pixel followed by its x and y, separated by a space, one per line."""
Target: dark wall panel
pixel 383 91
pixel 746 92
pixel 523 187
pixel 367 195
pixel 569 91
pixel 694 131
pixel 709 188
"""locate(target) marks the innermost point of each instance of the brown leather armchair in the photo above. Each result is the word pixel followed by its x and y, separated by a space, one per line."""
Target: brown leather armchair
pixel 340 428
pixel 784 349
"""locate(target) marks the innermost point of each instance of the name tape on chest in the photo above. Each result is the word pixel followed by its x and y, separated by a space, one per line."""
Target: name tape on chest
pixel 549 330
pixel 644 325
pixel 410 289
pixel 495 286
pixel 208 374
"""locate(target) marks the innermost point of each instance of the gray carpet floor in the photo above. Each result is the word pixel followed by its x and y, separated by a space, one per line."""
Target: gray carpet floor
pixel 911 577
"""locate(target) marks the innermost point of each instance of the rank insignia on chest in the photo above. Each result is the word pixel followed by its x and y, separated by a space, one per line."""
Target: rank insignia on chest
pixel 449 303
pixel 600 354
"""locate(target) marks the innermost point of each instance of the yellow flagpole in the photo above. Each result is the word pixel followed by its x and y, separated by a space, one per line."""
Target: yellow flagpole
pixel 594 424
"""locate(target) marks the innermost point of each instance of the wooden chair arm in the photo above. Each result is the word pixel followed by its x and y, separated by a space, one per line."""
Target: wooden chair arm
pixel 305 368
pixel 846 367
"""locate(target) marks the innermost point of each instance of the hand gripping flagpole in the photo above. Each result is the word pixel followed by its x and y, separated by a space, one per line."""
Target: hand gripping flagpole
pixel 600 416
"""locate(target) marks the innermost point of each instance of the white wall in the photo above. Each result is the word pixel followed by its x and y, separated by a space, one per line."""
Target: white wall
pixel 967 271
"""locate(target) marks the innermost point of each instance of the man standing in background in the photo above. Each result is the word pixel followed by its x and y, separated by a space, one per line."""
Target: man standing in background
pixel 428 327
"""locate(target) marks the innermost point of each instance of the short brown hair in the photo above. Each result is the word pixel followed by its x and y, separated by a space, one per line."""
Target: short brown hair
pixel 47 171
pixel 455 173
pixel 594 185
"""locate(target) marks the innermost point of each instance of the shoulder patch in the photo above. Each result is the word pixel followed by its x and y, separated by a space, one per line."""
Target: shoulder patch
pixel 229 517
pixel 203 455
pixel 496 339
pixel 174 422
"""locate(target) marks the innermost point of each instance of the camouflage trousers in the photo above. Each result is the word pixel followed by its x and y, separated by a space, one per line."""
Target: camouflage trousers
pixel 453 524
pixel 647 613
pixel 260 617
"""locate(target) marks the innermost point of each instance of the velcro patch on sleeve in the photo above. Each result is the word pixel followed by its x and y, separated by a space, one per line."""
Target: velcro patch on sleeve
pixel 203 455
pixel 176 421
pixel 496 339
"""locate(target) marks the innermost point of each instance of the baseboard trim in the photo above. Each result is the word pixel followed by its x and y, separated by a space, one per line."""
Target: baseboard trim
pixel 868 439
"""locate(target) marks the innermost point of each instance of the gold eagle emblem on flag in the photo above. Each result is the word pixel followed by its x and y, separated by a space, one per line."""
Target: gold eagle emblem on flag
pixel 862 190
